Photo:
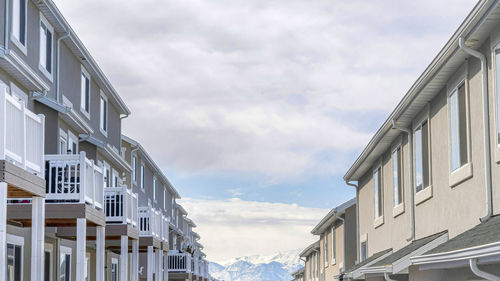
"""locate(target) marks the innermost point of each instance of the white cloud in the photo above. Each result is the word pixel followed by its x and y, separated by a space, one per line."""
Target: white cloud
pixel 254 86
pixel 233 228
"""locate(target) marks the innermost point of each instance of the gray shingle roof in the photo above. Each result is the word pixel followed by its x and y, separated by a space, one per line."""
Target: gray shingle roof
pixel 485 233
pixel 368 260
pixel 413 246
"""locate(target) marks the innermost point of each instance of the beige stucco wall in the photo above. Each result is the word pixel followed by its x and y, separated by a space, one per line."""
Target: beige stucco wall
pixel 330 268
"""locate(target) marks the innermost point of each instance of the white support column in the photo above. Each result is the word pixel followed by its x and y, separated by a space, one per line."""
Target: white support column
pixel 165 266
pixel 81 238
pixel 159 267
pixel 3 228
pixel 150 264
pixel 123 258
pixel 37 236
pixel 100 253
pixel 135 261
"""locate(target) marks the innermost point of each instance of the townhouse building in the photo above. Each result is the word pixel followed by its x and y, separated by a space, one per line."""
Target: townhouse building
pixel 79 205
pixel 298 275
pixel 428 182
pixel 337 241
pixel 310 257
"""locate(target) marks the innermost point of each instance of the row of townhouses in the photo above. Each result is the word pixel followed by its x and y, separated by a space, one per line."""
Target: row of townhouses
pixel 427 203
pixel 79 200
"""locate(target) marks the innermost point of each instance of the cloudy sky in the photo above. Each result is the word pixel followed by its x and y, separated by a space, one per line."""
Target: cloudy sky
pixel 256 108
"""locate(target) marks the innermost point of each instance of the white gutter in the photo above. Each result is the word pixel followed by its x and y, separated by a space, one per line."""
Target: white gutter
pixel 58 62
pixel 357 219
pixel 410 177
pixel 480 273
pixel 486 124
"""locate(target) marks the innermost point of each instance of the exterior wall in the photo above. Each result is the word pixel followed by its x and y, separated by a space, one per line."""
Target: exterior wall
pixel 350 237
pixel 330 268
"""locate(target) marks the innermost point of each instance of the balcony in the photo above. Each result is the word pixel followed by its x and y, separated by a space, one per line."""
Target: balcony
pixel 179 263
pixel 150 222
pixel 121 206
pixel 21 134
pixel 72 178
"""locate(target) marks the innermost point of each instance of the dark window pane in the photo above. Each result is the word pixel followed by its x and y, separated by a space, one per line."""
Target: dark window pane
pixel 425 153
pixel 47 267
pixel 22 22
pixel 462 115
pixel 49 52
pixel 87 95
pixel 67 264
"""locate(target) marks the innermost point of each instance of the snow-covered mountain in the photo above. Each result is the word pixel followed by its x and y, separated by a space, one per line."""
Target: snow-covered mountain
pixel 276 267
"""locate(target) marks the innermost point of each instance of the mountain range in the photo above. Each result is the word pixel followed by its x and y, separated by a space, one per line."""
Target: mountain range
pixel 276 267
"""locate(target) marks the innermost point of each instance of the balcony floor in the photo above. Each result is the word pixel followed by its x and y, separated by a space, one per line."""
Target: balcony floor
pixel 21 183
pixel 179 276
pixel 58 215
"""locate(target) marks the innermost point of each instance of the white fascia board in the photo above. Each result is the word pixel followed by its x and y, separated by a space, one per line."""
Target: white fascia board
pixel 482 251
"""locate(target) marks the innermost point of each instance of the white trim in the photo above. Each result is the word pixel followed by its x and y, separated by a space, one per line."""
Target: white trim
pixel 101 129
pixel 397 147
pixel 378 221
pixel 72 138
pixel 155 186
pixel 378 205
pixel 49 27
pixel 142 178
pixel 16 241
pixel 398 210
pixel 334 245
pixel 496 103
pixel 107 167
pixel 461 174
pixel 82 98
pixel 423 116
pixel 13 38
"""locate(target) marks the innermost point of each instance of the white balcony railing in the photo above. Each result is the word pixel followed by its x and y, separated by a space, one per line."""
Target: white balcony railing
pixel 150 222
pixel 74 178
pixel 179 262
pixel 120 205
pixel 22 134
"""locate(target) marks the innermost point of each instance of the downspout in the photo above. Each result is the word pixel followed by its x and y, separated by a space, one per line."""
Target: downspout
pixel 59 63
pixel 343 238
pixel 387 278
pixel 480 273
pixel 357 219
pixel 486 124
pixel 410 166
pixel 6 29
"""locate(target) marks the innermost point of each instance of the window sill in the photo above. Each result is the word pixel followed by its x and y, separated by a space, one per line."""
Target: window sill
pixel 334 262
pixel 103 132
pixel 341 266
pixel 85 113
pixel 398 210
pixel 460 175
pixel 423 195
pixel 378 221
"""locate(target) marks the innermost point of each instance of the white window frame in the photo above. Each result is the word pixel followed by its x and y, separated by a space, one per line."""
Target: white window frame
pixel 50 249
pixel 426 192
pixel 496 84
pixel 87 266
pixel 361 250
pixel 142 177
pixel 333 245
pixel 13 38
pixel 325 249
pixel 63 138
pixel 66 251
pixel 164 199
pixel 104 99
pixel 155 183
pixel 85 73
pixel 134 168
pixel 115 178
pixel 398 207
pixel 107 168
pixel 16 241
pixel 378 218
pixel 42 68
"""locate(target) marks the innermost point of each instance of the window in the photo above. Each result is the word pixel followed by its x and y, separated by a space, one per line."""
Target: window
pixel 142 176
pixel 396 177
pixel 47 272
pixel 325 248
pixel 85 93
pixel 65 264
pixel 377 184
pixel 104 115
pixel 154 189
pixel 63 146
pixel 421 137
pixel 46 49
pixel 87 267
pixel 14 268
pixel 116 179
pixel 72 144
pixel 114 269
pixel 497 86
pixel 458 127
pixel 333 244
pixel 134 168
pixel 173 206
pixel 363 250
pixel 19 11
